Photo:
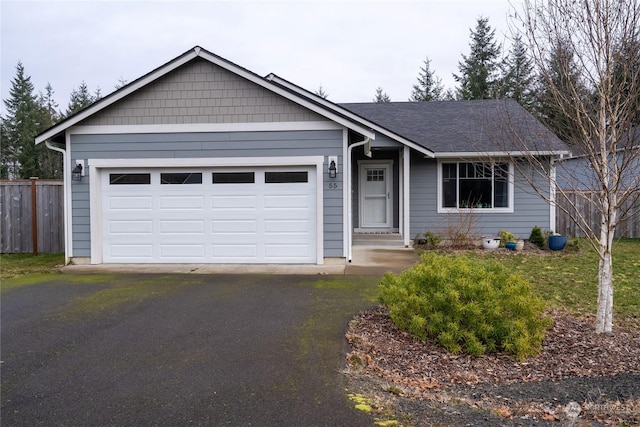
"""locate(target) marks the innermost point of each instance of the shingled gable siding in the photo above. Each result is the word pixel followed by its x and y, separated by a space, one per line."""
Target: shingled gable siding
pixel 529 209
pixel 202 92
pixel 214 145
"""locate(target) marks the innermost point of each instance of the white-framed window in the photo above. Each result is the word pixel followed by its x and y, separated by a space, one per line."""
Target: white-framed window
pixel 485 186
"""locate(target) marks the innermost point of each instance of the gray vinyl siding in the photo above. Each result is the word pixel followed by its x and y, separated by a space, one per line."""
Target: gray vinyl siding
pixel 529 208
pixel 201 92
pixel 215 145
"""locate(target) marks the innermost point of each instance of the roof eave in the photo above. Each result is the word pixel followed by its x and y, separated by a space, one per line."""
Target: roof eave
pixel 350 115
pixel 117 96
pixel 481 154
pixel 323 110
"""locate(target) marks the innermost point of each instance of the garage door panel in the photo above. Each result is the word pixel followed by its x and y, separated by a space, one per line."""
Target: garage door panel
pixel 130 203
pixel 287 227
pixel 128 251
pixel 127 227
pixel 181 251
pixel 230 202
pixel 286 251
pixel 228 252
pixel 252 222
pixel 225 227
pixel 183 203
pixel 289 201
pixel 182 227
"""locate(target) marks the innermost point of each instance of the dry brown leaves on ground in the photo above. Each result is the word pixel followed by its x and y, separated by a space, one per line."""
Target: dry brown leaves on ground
pixel 424 370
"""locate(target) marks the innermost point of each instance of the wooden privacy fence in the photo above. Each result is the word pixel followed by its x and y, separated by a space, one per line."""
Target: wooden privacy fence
pixel 583 202
pixel 32 212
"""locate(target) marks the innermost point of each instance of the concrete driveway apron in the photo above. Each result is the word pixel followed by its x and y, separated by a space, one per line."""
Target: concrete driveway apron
pixel 124 349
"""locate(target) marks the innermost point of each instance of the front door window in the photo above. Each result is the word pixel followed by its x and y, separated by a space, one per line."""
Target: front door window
pixel 375 191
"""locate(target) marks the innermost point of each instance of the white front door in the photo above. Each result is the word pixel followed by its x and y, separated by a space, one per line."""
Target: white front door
pixel 375 194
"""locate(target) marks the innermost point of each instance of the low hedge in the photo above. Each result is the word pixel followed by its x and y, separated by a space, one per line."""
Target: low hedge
pixel 466 305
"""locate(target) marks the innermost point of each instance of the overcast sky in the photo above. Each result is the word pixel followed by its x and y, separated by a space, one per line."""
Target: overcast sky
pixel 347 47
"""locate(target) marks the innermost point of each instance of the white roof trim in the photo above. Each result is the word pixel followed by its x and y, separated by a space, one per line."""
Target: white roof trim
pixel 205 127
pixel 117 96
pixel 326 112
pixel 481 154
pixel 352 116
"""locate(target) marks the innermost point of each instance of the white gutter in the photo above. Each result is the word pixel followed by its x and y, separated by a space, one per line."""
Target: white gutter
pixel 350 194
pixel 67 190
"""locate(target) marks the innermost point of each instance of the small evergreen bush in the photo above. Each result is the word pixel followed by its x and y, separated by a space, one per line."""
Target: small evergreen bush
pixel 466 305
pixel 536 237
pixel 506 236
pixel 432 240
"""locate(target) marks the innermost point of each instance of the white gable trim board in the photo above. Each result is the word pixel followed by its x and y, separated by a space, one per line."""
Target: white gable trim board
pixel 250 223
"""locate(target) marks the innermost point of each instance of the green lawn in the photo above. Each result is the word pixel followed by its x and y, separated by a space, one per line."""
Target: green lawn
pixel 566 279
pixel 569 279
pixel 18 265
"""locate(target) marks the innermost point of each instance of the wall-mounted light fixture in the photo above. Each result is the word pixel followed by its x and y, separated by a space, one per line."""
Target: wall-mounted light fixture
pixel 78 172
pixel 333 166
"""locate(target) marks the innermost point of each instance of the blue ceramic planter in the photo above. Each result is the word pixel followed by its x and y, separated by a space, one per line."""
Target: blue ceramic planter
pixel 510 245
pixel 557 242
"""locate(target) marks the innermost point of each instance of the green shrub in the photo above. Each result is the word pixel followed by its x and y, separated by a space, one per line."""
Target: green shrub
pixel 432 240
pixel 466 305
pixel 506 236
pixel 536 237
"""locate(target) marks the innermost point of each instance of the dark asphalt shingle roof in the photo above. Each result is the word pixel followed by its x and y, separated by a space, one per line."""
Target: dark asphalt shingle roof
pixel 462 126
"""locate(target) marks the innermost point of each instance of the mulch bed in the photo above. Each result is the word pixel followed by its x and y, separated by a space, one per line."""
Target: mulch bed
pixel 599 373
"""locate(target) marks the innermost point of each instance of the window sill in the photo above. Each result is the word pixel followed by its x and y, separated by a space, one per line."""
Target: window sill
pixel 476 210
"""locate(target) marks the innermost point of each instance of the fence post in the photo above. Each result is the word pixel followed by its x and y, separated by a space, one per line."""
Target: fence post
pixel 34 215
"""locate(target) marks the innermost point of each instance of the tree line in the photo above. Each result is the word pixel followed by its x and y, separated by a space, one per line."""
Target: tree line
pixel 29 113
pixel 483 73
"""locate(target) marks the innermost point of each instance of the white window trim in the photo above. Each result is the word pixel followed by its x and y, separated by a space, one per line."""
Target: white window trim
pixel 99 166
pixel 509 209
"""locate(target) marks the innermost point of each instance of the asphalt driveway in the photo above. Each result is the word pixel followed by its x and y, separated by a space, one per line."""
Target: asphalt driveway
pixel 240 350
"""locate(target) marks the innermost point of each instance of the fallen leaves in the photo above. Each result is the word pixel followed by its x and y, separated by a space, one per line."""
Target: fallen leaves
pixel 425 370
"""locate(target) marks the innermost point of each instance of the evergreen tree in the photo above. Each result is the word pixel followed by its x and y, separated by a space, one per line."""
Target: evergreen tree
pixel 381 96
pixel 121 83
pixel 479 71
pixel 21 158
pixel 51 161
pixel 626 75
pixel 81 98
pixel 429 87
pixel 562 80
pixel 518 79
pixel 321 93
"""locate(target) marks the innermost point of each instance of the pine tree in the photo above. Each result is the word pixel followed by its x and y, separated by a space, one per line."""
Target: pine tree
pixel 626 74
pixel 518 79
pixel 429 87
pixel 121 83
pixel 21 158
pixel 479 70
pixel 51 161
pixel 81 98
pixel 381 96
pixel 321 93
pixel 562 80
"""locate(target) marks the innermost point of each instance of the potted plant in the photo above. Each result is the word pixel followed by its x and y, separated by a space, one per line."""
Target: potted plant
pixel 507 239
pixel 490 242
pixel 557 242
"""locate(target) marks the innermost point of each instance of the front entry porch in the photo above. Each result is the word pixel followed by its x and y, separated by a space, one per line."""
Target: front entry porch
pixel 378 197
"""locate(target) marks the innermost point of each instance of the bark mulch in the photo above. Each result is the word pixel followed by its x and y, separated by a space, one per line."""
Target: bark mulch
pixel 579 378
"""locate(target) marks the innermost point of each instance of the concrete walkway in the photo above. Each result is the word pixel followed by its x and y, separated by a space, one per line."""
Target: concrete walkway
pixel 367 260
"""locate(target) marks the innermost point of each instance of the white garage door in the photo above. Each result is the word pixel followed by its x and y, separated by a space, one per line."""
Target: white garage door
pixel 247 215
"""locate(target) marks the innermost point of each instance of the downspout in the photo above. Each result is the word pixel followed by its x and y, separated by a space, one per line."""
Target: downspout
pixel 350 194
pixel 65 208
